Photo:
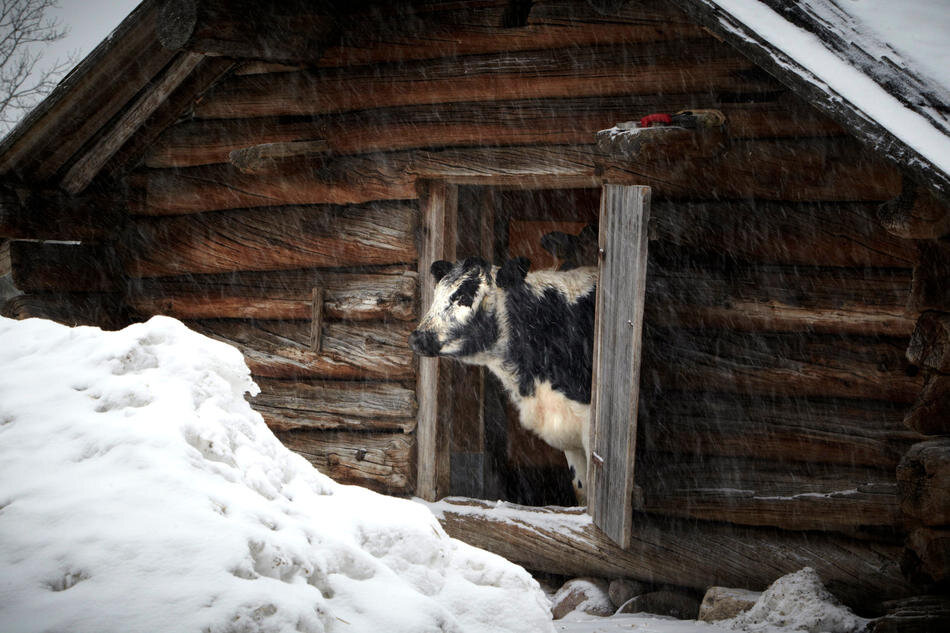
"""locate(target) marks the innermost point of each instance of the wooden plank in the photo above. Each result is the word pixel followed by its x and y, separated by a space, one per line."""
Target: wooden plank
pixel 439 206
pixel 830 431
pixel 340 405
pixel 782 494
pixel 266 157
pixel 686 553
pixel 287 238
pixel 281 349
pixel 624 215
pixel 366 295
pixel 316 319
pixel 85 168
pixel 537 121
pixel 379 461
pixel 683 66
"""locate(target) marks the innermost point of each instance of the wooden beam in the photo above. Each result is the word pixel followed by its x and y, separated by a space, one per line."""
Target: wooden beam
pixel 923 478
pixel 782 494
pixel 624 215
pixel 930 413
pixel 92 160
pixel 930 343
pixel 829 431
pixel 291 237
pixel 372 294
pixel 343 405
pixel 439 209
pixel 654 68
pixel 281 349
pixel 50 214
pixel 86 99
pixel 379 461
pixel 266 157
pixel 278 30
pixel 532 122
pixel 667 143
pixel 692 553
pixel 831 366
pixel 44 267
pixel 316 319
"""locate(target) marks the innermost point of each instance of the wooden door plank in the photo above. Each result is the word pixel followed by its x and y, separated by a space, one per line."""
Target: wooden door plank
pixel 624 213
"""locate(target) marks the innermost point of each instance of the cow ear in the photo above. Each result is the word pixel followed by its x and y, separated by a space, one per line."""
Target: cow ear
pixel 513 272
pixel 440 269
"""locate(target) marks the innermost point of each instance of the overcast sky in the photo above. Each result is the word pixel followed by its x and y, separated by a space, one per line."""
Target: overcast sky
pixel 89 22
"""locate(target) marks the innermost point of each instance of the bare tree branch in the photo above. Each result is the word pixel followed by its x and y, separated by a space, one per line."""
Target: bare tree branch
pixel 25 32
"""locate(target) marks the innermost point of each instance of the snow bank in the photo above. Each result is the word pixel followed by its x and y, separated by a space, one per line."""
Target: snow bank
pixel 140 492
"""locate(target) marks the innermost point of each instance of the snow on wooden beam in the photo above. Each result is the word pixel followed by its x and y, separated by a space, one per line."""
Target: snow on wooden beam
pixel 692 553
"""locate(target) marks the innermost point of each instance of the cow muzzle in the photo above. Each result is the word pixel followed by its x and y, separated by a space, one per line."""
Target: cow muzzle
pixel 424 343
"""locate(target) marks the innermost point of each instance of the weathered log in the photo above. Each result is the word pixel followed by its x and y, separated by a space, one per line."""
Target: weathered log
pixel 787 495
pixel 930 413
pixel 79 106
pixel 694 554
pixel 353 296
pixel 176 192
pixel 778 364
pixel 44 267
pixel 354 406
pixel 274 30
pixel 915 214
pixel 428 30
pixel 919 614
pixel 848 432
pixel 923 478
pixel 932 548
pixel 5 265
pixel 380 461
pixel 93 158
pixel 683 66
pixel 930 342
pixel 54 215
pixel 103 310
pixel 561 121
pixel 829 169
pixel 266 157
pixel 292 237
pixel 777 298
pixel 930 290
pixel 281 349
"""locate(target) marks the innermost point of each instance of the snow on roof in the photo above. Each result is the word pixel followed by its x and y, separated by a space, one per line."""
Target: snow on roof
pixel 885 62
pixel 139 492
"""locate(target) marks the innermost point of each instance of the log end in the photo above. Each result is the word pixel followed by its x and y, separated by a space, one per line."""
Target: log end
pixel 177 22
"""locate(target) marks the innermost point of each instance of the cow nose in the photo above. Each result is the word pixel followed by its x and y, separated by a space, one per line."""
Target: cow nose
pixel 424 343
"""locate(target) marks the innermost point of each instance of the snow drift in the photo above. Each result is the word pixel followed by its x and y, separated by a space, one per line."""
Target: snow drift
pixel 140 492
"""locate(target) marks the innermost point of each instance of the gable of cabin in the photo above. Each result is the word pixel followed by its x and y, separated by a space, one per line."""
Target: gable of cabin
pixel 280 207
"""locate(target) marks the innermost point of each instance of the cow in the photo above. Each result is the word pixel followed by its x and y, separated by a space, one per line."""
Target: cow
pixel 534 331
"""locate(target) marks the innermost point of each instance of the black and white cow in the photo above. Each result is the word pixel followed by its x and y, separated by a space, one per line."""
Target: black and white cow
pixel 534 331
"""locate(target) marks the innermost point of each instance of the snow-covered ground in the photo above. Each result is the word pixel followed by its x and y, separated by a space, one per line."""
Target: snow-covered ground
pixel 140 492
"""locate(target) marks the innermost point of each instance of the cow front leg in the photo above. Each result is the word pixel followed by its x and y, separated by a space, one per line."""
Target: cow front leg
pixel 577 461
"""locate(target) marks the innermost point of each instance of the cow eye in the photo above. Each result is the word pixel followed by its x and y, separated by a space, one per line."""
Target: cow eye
pixel 465 295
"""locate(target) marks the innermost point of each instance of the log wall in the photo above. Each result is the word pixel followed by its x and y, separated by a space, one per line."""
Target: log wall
pixel 774 381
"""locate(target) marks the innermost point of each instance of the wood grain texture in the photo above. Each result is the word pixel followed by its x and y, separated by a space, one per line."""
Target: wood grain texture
pixel 50 266
pixel 930 412
pixel 695 554
pixel 370 294
pixel 536 121
pixel 379 461
pixel 683 66
pixel 930 342
pixel 786 495
pixel 624 215
pixel 281 349
pixel 287 238
pixel 779 365
pixel 923 478
pixel 829 431
pixel 930 290
pixel 344 405
pixel 104 310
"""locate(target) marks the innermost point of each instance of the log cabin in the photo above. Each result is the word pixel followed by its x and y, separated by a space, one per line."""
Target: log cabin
pixel 772 374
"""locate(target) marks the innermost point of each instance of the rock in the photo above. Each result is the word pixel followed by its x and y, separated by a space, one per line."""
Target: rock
pixel 587 595
pixel 621 590
pixel 663 602
pixel 721 603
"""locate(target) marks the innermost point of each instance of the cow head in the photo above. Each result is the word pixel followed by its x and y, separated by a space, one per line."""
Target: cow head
pixel 461 320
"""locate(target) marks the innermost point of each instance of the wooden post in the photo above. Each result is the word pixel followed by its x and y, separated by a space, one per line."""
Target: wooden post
pixel 316 319
pixel 624 213
pixel 438 204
